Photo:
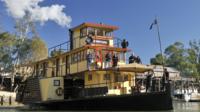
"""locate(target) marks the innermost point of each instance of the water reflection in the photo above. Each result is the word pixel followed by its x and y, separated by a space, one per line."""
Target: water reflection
pixel 178 107
pixel 186 106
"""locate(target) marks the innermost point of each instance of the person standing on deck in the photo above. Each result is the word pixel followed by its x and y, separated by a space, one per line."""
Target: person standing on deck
pixel 149 82
pixel 165 79
pixel 124 43
pixel 132 58
pixel 107 60
pixel 166 75
pixel 138 60
pixel 2 100
pixel 98 60
pixel 115 60
pixel 89 60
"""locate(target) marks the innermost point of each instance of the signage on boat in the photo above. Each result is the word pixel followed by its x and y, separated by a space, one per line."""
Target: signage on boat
pixel 101 42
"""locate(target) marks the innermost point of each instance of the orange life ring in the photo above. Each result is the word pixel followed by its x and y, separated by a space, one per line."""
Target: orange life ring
pixel 59 91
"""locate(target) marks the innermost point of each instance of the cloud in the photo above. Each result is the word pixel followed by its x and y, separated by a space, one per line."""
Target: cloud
pixel 19 8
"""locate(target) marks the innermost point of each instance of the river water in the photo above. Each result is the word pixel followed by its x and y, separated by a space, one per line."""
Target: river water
pixel 178 107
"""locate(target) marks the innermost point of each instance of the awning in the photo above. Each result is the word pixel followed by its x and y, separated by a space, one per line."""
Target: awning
pixel 134 67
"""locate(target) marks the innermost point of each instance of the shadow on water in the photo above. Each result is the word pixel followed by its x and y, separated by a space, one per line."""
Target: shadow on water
pixel 178 107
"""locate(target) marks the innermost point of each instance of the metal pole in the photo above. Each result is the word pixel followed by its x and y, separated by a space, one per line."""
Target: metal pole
pixel 160 44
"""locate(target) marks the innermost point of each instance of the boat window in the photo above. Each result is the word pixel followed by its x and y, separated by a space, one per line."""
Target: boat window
pixel 83 55
pixel 108 34
pixel 79 56
pixel 67 61
pixel 54 62
pixel 106 77
pixel 89 77
pixel 52 72
pixel 47 64
pixel 118 78
pixel 83 32
pixel 100 32
pixel 63 60
pixel 91 31
pixel 125 77
pixel 74 58
pixel 56 82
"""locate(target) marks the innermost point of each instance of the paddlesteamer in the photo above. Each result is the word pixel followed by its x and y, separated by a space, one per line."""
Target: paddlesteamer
pixel 71 80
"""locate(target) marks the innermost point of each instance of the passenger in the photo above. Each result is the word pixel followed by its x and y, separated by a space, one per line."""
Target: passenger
pixel 98 60
pixel 115 60
pixel 166 75
pixel 89 60
pixel 108 60
pixel 137 88
pixel 138 60
pixel 149 81
pixel 10 100
pixel 2 100
pixel 132 59
pixel 124 43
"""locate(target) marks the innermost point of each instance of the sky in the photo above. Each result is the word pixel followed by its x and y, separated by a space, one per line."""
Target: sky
pixel 179 20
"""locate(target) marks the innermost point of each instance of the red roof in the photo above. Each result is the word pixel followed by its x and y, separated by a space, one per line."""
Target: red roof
pixel 97 25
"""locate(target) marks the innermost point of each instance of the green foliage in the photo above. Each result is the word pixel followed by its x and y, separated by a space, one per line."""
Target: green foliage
pixel 39 50
pixel 55 52
pixel 186 60
pixel 16 50
pixel 7 41
pixel 22 50
pixel 175 55
pixel 158 60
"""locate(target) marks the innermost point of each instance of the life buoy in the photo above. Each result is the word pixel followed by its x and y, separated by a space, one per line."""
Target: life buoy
pixel 59 91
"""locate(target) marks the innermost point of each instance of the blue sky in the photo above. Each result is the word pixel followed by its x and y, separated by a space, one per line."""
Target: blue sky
pixel 179 20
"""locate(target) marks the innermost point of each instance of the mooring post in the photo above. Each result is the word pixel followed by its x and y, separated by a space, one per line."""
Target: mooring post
pixel 10 100
pixel 1 100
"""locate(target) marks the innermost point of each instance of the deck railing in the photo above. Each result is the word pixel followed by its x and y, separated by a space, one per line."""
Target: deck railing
pixel 65 46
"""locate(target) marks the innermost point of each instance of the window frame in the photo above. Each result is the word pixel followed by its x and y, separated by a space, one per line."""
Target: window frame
pixel 83 33
pixel 106 77
pixel 89 77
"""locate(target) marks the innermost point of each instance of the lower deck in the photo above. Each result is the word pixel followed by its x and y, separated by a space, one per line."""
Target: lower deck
pixel 130 102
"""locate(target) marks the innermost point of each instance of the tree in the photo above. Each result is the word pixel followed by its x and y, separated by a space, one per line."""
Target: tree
pixel 194 57
pixel 30 50
pixel 158 60
pixel 175 54
pixel 22 50
pixel 175 57
pixel 39 49
pixel 25 28
pixel 186 60
pixel 7 41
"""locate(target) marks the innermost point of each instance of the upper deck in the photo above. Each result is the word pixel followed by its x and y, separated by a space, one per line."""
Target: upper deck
pixel 70 57
pixel 101 35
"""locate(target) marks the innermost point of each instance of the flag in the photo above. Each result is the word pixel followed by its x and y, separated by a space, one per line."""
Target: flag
pixel 154 23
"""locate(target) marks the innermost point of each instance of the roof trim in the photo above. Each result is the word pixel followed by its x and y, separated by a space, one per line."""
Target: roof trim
pixel 97 25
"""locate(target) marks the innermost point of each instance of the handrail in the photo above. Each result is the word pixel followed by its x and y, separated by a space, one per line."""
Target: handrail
pixel 65 46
